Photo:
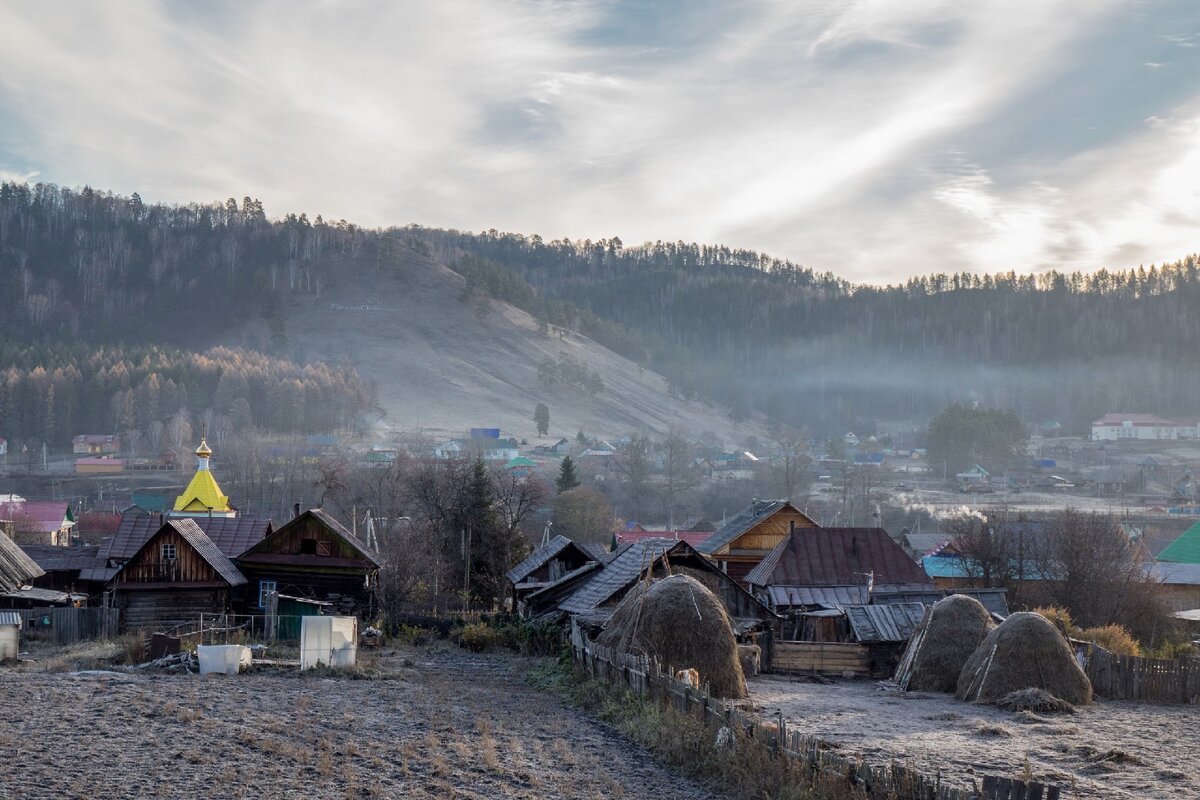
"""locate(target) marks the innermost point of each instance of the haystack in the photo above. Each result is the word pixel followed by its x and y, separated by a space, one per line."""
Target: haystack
pixel 942 643
pixel 685 626
pixel 1025 652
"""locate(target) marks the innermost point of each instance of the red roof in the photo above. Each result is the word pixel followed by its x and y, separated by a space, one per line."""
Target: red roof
pixel 48 515
pixel 837 557
pixel 691 537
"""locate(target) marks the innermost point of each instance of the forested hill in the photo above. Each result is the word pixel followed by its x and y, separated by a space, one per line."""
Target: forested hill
pixel 733 327
pixel 815 349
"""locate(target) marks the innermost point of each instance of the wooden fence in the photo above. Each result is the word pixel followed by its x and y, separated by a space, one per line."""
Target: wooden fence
pixel 68 625
pixel 1151 680
pixel 893 781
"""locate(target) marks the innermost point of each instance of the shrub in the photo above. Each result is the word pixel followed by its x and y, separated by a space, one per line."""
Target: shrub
pixel 412 635
pixel 1112 638
pixel 1061 618
pixel 477 637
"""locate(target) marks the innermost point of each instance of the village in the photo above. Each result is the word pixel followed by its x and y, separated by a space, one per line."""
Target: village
pixel 832 628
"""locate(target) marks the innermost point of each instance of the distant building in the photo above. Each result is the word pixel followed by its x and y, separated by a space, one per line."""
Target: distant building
pixel 36 522
pixel 748 538
pixel 1117 426
pixel 95 444
pixel 99 465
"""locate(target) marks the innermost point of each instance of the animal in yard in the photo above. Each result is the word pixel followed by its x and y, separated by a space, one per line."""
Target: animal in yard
pixel 689 676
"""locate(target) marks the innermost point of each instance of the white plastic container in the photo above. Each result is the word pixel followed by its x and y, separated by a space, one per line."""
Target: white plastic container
pixel 332 641
pixel 223 659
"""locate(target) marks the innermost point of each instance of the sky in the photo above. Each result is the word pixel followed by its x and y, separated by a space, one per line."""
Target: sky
pixel 876 139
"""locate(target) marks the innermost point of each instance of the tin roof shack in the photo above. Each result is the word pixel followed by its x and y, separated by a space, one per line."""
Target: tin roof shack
pixel 175 576
pixel 544 567
pixel 748 538
pixel 597 594
pixel 16 568
pixel 313 556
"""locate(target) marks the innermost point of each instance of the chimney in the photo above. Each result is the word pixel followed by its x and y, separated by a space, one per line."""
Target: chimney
pixel 295 510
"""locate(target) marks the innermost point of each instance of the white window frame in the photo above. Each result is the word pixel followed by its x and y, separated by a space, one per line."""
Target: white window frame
pixel 265 588
pixel 168 548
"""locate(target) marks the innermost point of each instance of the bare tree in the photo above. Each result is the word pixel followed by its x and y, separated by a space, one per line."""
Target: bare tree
pixel 680 473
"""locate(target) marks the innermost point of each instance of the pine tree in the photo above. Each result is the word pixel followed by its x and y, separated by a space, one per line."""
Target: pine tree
pixel 541 417
pixel 567 478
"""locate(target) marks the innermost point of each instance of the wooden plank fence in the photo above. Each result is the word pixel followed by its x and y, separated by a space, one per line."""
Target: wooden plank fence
pixel 821 657
pixel 1151 680
pixel 879 782
pixel 69 625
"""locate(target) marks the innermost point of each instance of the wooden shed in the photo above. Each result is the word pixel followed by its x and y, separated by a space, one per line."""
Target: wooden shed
pixel 314 557
pixel 175 576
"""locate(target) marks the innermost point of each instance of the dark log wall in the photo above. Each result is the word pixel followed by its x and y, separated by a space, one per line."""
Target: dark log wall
pixel 161 610
pixel 147 565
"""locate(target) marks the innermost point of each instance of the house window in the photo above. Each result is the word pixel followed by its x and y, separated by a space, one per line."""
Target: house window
pixel 308 547
pixel 264 589
pixel 168 552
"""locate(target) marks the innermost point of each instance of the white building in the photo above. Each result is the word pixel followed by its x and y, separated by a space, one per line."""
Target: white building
pixel 1114 427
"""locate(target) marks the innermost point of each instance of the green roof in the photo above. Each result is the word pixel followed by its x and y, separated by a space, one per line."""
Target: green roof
pixel 1185 549
pixel 520 461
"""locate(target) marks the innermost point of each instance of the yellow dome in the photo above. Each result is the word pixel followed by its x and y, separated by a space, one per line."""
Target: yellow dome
pixel 203 450
pixel 202 494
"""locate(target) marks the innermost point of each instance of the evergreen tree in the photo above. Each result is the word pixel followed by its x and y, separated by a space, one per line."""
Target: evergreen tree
pixel 567 478
pixel 541 417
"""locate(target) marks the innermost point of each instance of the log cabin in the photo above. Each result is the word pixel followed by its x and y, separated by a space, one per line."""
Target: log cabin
pixel 312 556
pixel 174 577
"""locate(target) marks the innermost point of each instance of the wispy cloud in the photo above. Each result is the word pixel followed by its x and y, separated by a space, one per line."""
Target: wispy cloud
pixel 873 138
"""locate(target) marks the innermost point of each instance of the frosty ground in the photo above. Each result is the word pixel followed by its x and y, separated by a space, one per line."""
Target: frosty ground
pixel 450 725
pixel 1107 750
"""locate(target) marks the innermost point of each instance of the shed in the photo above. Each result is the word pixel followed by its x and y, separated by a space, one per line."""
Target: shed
pixel 16 568
pixel 545 567
pixel 10 635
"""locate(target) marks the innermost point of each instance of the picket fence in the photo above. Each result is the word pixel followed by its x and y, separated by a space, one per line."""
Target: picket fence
pixel 1150 680
pixel 893 781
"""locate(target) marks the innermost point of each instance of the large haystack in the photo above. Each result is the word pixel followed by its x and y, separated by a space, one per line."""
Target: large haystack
pixel 1025 652
pixel 685 626
pixel 942 643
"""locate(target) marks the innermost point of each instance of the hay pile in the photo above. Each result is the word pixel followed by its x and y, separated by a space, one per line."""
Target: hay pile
pixel 1025 652
pixel 941 645
pixel 1038 700
pixel 685 626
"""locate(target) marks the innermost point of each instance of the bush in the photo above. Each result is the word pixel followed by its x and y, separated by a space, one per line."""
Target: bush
pixel 1060 617
pixel 413 635
pixel 477 637
pixel 1112 638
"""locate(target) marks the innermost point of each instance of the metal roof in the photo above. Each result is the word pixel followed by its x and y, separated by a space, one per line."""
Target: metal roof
pixel 16 568
pixel 1185 549
pixel 10 618
pixel 623 570
pixel 756 513
pixel 893 622
pixel 64 559
pixel 836 557
pixel 260 551
pixel 234 535
pixel 204 547
pixel 823 596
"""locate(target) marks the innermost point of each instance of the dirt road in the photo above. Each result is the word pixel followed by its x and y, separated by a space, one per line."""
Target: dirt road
pixel 450 725
pixel 1106 750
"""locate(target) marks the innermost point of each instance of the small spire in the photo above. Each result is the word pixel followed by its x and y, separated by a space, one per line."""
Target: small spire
pixel 203 450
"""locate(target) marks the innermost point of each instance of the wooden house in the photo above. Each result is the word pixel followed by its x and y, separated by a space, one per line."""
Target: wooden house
pixel 592 597
pixel 314 557
pixel 175 576
pixel 546 566
pixel 17 569
pixel 749 537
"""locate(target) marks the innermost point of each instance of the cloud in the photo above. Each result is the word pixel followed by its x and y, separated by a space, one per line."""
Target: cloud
pixel 873 138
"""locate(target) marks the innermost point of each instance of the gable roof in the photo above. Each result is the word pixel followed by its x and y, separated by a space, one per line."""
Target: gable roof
pixel 52 558
pixel 540 555
pixel 1185 549
pixel 16 568
pixel 204 547
pixel 836 557
pixel 758 511
pixel 233 535
pixel 262 546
